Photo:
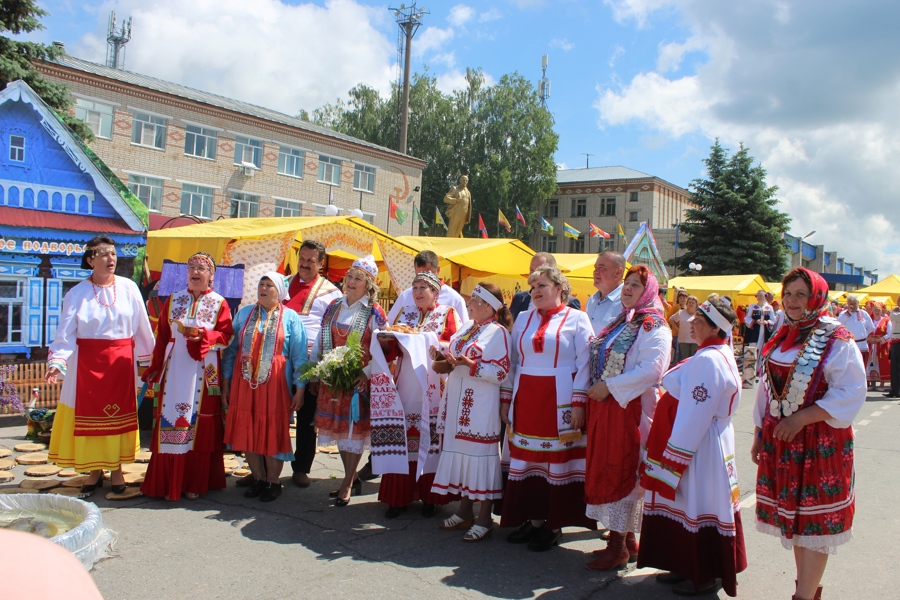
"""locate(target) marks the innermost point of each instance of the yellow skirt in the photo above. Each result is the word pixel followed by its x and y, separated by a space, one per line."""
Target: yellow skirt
pixel 88 452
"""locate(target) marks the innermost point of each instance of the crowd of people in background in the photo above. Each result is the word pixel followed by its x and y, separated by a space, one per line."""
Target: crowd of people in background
pixel 617 417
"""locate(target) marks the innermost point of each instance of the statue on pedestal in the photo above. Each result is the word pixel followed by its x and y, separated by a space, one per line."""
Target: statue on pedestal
pixel 459 198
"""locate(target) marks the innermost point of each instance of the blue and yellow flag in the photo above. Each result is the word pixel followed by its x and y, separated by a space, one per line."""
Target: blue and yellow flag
pixel 438 219
pixel 570 232
pixel 546 226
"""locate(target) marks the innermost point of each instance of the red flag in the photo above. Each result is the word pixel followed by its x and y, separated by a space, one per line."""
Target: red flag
pixel 481 227
pixel 597 232
pixel 392 213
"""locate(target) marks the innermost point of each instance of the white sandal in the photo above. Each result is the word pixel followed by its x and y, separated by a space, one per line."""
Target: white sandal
pixel 478 533
pixel 456 522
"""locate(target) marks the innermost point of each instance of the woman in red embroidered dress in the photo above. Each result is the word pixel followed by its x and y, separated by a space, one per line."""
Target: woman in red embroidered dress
pixel 812 384
pixel 628 359
pixel 187 438
pixel 550 350
pixel 879 367
pixel 337 419
pixel 399 490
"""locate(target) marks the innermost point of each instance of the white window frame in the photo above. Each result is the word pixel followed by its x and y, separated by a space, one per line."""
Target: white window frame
pixel 141 184
pixel 548 243
pixel 205 195
pixel 285 207
pixel 16 151
pixel 579 207
pixel 243 144
pixel 295 156
pixel 157 127
pixel 210 141
pixel 244 205
pixel 367 172
pixel 7 304
pixel 329 165
pixel 552 208
pixel 99 121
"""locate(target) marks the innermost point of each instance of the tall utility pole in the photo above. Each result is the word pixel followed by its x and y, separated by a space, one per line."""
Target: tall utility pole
pixel 587 160
pixel 409 18
pixel 116 39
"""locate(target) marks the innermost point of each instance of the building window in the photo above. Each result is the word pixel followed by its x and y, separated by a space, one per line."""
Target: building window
pixel 290 161
pixel 17 148
pixel 288 208
pixel 633 197
pixel 608 207
pixel 329 170
pixel 548 244
pixel 369 218
pixel 150 131
pixel 248 151
pixel 579 207
pixel 200 142
pixel 364 178
pixel 196 200
pixel 633 216
pixel 12 305
pixel 609 244
pixel 97 116
pixel 552 208
pixel 244 205
pixel 577 246
pixel 148 189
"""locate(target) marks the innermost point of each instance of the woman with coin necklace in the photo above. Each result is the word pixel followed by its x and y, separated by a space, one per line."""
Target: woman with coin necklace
pixel 812 385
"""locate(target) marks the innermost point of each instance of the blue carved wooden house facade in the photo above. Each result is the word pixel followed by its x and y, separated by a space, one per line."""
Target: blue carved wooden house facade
pixel 55 195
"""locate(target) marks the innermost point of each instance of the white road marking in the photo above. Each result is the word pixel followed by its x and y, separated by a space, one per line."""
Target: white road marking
pixel 887 406
pixel 748 501
pixel 877 413
pixel 865 422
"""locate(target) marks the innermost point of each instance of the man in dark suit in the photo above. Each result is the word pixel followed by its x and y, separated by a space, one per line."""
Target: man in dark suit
pixel 522 300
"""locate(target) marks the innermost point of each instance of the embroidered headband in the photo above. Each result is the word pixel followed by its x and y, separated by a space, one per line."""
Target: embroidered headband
pixel 716 317
pixel 429 278
pixel 204 258
pixel 367 265
pixel 101 249
pixel 488 297
pixel 278 280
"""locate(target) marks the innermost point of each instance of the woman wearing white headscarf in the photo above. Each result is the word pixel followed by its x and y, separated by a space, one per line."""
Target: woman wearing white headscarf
pixel 264 361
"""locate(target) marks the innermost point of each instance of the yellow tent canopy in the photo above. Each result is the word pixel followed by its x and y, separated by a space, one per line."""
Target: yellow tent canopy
pixel 775 287
pixel 889 286
pixel 266 244
pixel 888 301
pixel 474 257
pixel 741 288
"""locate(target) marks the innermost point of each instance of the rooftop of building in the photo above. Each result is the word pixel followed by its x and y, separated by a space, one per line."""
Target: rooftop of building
pixel 230 104
pixel 598 174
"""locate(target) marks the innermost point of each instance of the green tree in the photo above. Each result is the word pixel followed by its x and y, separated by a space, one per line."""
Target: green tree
pixel 498 134
pixel 17 60
pixel 736 227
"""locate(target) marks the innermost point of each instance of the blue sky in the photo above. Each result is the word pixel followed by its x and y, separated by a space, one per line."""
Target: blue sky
pixel 811 86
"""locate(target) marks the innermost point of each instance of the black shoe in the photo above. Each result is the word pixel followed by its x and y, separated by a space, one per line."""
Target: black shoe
pixel 341 503
pixel 394 511
pixel 119 489
pixel 255 489
pixel 88 488
pixel 366 473
pixel 524 534
pixel 270 492
pixel 355 490
pixel 428 510
pixel 890 395
pixel 544 540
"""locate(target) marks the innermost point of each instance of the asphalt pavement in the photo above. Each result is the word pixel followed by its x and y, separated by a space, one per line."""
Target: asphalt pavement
pixel 302 546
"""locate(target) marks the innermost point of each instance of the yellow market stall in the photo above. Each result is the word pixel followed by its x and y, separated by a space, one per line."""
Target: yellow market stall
pixel 889 286
pixel 741 288
pixel 265 244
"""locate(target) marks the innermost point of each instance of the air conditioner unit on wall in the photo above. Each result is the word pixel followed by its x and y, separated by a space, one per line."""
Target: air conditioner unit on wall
pixel 248 169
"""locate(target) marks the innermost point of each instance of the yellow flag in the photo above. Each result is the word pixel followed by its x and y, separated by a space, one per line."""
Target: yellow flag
pixel 438 219
pixel 621 231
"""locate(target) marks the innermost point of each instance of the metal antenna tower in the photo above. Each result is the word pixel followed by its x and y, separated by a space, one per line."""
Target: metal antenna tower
pixel 544 84
pixel 116 39
pixel 409 18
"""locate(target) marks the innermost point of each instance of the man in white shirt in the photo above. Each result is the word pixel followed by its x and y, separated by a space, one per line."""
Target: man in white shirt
pixel 426 260
pixel 859 323
pixel 521 301
pixel 606 303
pixel 894 355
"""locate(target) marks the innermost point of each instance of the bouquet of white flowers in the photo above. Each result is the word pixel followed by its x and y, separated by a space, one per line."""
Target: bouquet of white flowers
pixel 339 367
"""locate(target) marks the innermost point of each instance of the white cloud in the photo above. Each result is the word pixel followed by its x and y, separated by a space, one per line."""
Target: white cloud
pixel 562 43
pixel 818 111
pixel 448 59
pixel 275 55
pixel 619 51
pixel 432 39
pixel 460 15
pixel 490 15
pixel 456 80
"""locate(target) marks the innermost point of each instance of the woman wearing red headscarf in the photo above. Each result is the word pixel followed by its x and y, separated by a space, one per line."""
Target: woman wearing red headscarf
pixel 628 359
pixel 812 384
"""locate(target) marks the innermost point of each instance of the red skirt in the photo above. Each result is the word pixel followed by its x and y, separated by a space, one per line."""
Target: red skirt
pixel 534 416
pixel 399 490
pixel 200 469
pixel 258 419
pixel 614 450
pixel 105 392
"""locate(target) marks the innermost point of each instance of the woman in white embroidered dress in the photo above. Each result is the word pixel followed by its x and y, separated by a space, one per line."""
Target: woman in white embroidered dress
pixel 544 400
pixel 102 331
pixel 194 326
pixel 692 514
pixel 398 490
pixel 628 359
pixel 469 463
pixel 356 311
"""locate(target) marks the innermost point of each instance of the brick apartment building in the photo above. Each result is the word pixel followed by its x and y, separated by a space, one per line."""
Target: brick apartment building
pixel 185 151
